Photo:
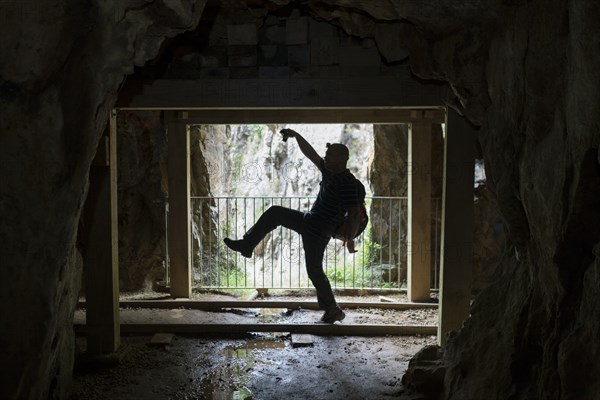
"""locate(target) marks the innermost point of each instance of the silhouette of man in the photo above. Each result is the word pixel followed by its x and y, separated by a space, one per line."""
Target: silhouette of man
pixel 338 199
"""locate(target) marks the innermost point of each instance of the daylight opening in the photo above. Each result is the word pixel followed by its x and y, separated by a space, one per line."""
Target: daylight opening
pixel 249 168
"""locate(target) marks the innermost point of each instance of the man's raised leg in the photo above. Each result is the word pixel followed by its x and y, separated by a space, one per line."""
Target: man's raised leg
pixel 271 219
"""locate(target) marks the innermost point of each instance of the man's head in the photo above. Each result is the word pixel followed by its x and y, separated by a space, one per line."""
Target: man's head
pixel 336 157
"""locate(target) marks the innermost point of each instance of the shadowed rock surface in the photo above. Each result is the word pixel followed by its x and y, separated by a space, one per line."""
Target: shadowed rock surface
pixel 526 73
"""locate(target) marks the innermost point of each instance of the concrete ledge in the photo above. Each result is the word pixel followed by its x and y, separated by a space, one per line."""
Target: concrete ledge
pixel 315 329
pixel 218 305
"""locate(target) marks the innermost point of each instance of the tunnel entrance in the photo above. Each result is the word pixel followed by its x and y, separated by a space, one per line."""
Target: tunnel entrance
pixel 248 168
pixel 179 217
pixel 240 68
pixel 180 262
pixel 181 316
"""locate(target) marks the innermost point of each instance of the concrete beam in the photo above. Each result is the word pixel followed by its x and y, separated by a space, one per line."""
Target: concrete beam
pixel 297 304
pixel 251 93
pixel 457 226
pixel 100 255
pixel 419 211
pixel 315 329
pixel 178 231
pixel 388 115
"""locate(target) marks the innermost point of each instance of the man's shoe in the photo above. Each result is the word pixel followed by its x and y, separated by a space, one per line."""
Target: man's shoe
pixel 239 246
pixel 332 315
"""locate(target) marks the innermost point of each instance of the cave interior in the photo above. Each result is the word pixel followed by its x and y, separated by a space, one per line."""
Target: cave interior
pixel 515 82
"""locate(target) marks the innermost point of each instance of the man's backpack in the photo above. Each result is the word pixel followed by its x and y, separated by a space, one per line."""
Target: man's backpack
pixel 364 217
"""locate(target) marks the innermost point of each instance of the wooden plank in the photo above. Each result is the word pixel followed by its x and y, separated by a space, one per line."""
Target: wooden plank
pixel 283 92
pixel 313 329
pixel 179 235
pixel 225 304
pixel 419 211
pixel 457 226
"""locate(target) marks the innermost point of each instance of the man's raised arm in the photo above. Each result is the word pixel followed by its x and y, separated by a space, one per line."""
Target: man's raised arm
pixel 305 147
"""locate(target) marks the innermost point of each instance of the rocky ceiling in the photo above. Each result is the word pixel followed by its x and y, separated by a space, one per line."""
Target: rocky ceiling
pixel 526 72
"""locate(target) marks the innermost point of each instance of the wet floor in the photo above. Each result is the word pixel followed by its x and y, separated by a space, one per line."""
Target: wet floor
pixel 272 315
pixel 264 366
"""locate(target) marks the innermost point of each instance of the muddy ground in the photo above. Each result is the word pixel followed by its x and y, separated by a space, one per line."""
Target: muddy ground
pixel 255 366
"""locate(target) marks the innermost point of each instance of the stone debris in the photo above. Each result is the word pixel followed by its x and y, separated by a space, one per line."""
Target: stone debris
pixel 302 340
pixel 161 339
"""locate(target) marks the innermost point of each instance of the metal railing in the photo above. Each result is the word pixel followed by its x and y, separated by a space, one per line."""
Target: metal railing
pixel 278 261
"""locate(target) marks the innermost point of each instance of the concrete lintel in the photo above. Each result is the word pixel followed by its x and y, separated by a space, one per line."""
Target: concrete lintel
pixel 387 115
pixel 284 92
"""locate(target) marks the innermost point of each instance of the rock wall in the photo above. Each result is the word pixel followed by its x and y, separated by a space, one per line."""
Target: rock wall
pixel 387 168
pixel 141 164
pixel 67 60
pixel 209 148
pixel 143 193
pixel 290 42
pixel 489 240
pixel 540 143
pixel 527 73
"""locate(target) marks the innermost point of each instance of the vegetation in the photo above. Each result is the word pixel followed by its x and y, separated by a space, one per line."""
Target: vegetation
pixel 360 269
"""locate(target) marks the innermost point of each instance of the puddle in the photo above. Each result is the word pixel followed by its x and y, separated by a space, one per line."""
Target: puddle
pixel 259 344
pixel 228 382
pixel 244 351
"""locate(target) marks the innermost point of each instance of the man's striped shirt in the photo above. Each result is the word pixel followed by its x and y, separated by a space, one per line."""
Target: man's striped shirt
pixel 337 194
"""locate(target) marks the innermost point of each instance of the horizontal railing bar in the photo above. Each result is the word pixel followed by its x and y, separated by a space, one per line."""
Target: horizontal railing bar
pixel 292 304
pixel 315 329
pixel 366 289
pixel 290 197
pixel 251 197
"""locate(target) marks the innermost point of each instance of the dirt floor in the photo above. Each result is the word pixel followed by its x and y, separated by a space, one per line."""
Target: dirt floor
pixel 254 366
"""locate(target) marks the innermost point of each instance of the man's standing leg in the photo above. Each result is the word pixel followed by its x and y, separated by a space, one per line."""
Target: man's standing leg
pixel 314 249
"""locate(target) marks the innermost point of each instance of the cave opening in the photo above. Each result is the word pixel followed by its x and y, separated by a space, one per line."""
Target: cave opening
pixel 270 312
pixel 216 170
pixel 522 72
pixel 248 74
